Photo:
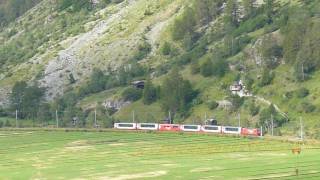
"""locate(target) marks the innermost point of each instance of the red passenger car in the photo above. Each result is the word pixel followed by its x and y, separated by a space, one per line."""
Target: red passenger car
pixel 250 132
pixel 169 127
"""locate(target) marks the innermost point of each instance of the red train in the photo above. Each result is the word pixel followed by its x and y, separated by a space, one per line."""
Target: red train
pixel 189 128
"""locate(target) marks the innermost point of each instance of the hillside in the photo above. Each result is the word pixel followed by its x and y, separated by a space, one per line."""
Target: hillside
pixel 80 56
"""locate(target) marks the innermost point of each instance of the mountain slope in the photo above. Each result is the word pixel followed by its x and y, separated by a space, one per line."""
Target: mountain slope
pixel 88 58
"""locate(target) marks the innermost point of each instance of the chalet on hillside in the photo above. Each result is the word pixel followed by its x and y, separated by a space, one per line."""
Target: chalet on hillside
pixel 238 88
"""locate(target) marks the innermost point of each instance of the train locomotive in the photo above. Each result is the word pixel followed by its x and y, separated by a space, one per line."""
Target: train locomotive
pixel 189 128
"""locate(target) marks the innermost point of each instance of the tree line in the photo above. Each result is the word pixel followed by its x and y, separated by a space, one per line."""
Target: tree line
pixel 12 9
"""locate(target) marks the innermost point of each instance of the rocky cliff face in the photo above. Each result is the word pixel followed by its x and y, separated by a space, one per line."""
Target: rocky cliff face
pixel 110 39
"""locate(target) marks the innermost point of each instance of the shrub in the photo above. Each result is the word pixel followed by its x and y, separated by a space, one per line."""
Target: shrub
pixel 150 93
pixel 206 68
pixel 184 24
pixel 195 68
pixel 267 78
pixel 212 105
pixel 307 107
pixel 254 110
pixel 166 49
pixel 302 92
pixel 7 123
pixel 288 95
pixel 143 50
pixel 72 80
pixel 271 52
pixel 220 67
pixel 251 25
pixel 214 66
pixel 236 101
pixel 132 94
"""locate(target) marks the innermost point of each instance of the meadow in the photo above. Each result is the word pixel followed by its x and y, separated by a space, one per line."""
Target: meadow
pixel 117 155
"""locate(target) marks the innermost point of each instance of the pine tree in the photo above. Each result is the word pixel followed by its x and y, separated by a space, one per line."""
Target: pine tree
pixel 248 7
pixel 232 13
pixel 17 95
pixel 269 9
pixel 176 93
pixel 149 93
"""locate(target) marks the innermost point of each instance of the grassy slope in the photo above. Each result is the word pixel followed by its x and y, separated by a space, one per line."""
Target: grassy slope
pixel 124 155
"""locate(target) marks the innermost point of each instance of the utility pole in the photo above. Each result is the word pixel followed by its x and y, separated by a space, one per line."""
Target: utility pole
pixel 302 70
pixel 239 119
pixel 205 117
pixel 301 129
pixel 232 45
pixel 272 125
pixel 57 119
pixel 261 133
pixel 16 118
pixel 95 118
pixel 133 120
pixel 170 117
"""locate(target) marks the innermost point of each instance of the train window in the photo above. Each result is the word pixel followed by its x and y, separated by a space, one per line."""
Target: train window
pixel 175 126
pixel 190 127
pixel 147 125
pixel 214 128
pixel 125 125
pixel 231 129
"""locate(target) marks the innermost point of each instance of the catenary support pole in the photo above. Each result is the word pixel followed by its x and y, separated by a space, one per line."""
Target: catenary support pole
pixel 272 126
pixel 239 119
pixel 205 118
pixel 57 119
pixel 301 129
pixel 16 118
pixel 95 118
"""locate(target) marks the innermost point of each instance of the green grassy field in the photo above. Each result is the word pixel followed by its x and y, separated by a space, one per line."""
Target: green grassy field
pixel 130 155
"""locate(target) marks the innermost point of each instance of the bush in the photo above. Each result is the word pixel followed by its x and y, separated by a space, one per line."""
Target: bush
pixel 1 124
pixel 251 25
pixel 271 52
pixel 150 93
pixel 216 67
pixel 212 105
pixel 220 67
pixel 184 24
pixel 72 80
pixel 254 110
pixel 7 123
pixel 267 78
pixel 302 92
pixel 288 95
pixel 132 94
pixel 166 49
pixel 236 101
pixel 206 68
pixel 143 50
pixel 195 68
pixel 307 107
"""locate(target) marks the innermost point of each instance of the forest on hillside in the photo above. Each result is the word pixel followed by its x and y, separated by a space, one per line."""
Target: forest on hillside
pixel 12 9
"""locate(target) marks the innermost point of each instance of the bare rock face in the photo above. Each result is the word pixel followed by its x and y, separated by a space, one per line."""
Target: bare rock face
pixel 79 58
pixel 109 42
pixel 115 104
